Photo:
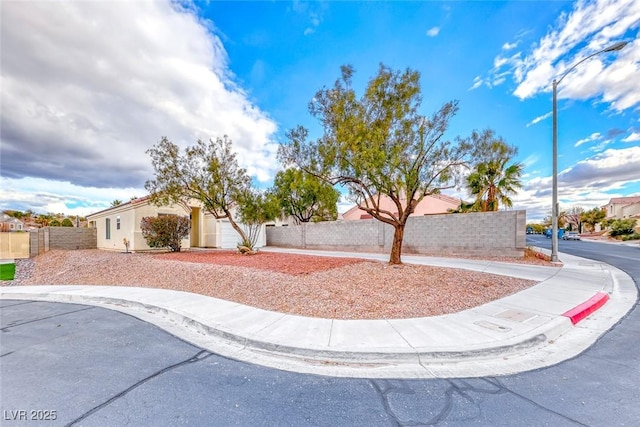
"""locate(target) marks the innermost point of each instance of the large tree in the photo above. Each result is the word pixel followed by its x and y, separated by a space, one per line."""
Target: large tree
pixel 207 172
pixel 494 177
pixel 379 145
pixel 593 217
pixel 305 196
pixel 573 217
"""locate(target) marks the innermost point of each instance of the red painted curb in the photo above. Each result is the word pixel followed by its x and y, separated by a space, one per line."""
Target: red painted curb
pixel 581 311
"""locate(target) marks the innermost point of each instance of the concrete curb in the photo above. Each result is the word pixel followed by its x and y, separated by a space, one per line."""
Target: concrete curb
pixel 507 357
pixel 580 312
pixel 549 331
pixel 274 339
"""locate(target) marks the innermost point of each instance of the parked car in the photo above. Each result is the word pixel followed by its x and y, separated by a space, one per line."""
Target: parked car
pixel 571 235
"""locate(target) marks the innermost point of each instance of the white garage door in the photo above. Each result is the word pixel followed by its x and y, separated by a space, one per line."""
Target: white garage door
pixel 229 238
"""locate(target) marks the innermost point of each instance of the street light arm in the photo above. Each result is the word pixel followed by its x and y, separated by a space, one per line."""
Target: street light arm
pixel 616 46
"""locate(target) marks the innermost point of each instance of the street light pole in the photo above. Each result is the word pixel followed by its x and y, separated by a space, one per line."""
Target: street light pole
pixel 554 201
pixel 555 206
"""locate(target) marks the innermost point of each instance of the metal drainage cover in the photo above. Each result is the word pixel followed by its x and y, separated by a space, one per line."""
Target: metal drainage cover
pixel 493 326
pixel 516 315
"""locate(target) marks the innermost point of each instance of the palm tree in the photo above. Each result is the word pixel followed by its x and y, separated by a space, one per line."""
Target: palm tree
pixel 493 182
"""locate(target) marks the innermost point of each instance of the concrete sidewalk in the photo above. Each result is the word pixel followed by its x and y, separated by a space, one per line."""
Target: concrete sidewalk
pixel 531 329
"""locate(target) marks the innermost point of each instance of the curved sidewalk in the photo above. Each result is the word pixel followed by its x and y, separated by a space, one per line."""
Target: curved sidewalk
pixel 531 329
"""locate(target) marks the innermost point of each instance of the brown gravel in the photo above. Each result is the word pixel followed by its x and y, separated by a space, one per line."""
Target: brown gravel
pixel 337 288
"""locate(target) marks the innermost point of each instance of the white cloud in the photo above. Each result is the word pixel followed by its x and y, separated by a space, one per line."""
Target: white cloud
pixel 344 203
pixel 509 46
pixel 540 118
pixel 434 31
pixel 313 11
pixel 314 20
pixel 589 183
pixel 601 146
pixel 46 196
pixel 530 160
pixel 89 87
pixel 589 28
pixel 500 61
pixel 635 136
pixel 477 82
pixel 604 171
pixel 593 137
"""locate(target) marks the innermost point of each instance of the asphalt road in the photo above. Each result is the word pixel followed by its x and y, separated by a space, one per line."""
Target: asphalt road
pixel 68 364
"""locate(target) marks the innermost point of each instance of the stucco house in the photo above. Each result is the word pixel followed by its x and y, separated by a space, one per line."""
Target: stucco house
pixel 430 205
pixel 123 221
pixel 9 223
pixel 623 207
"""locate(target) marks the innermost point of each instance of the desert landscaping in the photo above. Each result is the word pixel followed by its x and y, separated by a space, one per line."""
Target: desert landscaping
pixel 337 288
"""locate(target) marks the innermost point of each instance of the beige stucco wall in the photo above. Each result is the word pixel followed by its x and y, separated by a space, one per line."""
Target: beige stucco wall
pixel 621 211
pixel 209 235
pixel 613 210
pixel 130 215
pixel 630 211
pixel 207 231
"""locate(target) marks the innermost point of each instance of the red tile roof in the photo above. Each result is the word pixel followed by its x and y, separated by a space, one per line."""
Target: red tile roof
pixel 624 200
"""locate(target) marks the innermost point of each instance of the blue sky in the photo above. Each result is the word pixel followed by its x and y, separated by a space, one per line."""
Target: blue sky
pixel 92 85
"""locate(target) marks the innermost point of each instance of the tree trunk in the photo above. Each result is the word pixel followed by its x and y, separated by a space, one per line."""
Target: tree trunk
pixel 396 248
pixel 492 201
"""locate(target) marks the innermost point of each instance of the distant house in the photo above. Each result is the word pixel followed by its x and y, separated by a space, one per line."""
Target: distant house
pixel 430 205
pixel 9 223
pixel 123 221
pixel 623 207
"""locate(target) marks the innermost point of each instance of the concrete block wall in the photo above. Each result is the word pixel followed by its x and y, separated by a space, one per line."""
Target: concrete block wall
pixel 38 241
pixel 483 233
pixel 69 238
pixel 65 238
pixel 480 233
pixel 331 235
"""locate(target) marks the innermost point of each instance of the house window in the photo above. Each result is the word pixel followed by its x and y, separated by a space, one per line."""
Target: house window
pixel 118 223
pixel 108 226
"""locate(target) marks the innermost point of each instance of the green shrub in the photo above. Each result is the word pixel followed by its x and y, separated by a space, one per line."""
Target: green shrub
pixel 165 231
pixel 634 236
pixel 620 227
